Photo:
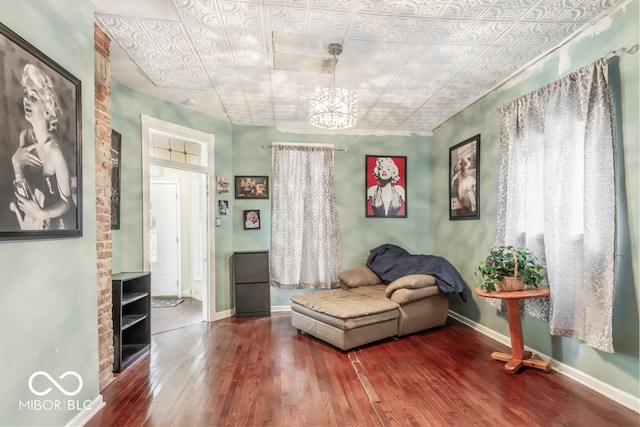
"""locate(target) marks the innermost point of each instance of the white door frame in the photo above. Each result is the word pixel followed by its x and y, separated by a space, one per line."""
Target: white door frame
pixel 207 142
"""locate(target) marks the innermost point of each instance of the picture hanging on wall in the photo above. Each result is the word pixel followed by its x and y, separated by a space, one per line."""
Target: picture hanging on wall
pixel 464 188
pixel 223 185
pixel 252 187
pixel 251 219
pixel 116 144
pixel 40 151
pixel 386 186
pixel 223 207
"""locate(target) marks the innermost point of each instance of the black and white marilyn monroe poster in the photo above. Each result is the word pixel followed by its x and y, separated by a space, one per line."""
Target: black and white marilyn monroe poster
pixel 40 144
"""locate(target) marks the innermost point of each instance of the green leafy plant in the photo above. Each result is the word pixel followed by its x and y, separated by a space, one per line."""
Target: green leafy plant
pixel 500 263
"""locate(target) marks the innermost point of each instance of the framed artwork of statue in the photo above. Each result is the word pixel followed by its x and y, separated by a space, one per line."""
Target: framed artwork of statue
pixel 464 186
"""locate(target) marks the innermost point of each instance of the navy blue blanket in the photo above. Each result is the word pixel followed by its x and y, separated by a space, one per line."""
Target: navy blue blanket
pixel 391 262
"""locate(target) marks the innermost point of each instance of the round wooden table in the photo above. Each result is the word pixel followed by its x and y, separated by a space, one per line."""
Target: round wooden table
pixel 518 356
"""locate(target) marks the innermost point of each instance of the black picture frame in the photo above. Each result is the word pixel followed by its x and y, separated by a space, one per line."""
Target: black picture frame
pixel 251 219
pixel 251 187
pixel 377 204
pixel 223 207
pixel 37 187
pixel 116 173
pixel 464 193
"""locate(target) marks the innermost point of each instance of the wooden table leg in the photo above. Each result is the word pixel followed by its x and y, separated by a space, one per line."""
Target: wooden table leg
pixel 518 357
pixel 515 329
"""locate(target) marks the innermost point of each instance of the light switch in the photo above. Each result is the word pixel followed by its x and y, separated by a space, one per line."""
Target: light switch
pixel 218 222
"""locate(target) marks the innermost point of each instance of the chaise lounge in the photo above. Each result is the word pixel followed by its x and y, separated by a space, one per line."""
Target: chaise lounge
pixel 393 295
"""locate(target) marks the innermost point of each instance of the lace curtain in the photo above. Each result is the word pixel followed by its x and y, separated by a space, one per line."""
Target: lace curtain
pixel 557 197
pixel 305 232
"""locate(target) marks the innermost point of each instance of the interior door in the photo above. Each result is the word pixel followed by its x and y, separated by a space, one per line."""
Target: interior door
pixel 164 238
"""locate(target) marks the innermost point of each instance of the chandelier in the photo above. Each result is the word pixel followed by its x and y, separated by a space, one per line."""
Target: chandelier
pixel 333 107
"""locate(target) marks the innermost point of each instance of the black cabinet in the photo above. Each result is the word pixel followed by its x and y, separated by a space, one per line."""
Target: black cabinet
pixel 131 317
pixel 250 275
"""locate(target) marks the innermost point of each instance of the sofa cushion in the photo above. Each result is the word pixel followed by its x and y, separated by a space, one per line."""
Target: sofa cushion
pixel 411 281
pixel 359 276
pixel 373 291
pixel 344 324
pixel 343 304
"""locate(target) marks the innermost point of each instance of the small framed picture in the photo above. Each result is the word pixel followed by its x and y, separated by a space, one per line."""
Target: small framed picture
pixel 223 185
pixel 223 207
pixel 251 219
pixel 252 187
pixel 464 188
pixel 386 186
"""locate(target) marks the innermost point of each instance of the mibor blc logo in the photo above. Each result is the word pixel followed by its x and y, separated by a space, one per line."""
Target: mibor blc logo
pixel 55 383
pixel 41 383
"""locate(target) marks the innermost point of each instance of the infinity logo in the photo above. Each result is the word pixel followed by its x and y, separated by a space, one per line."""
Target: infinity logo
pixel 58 386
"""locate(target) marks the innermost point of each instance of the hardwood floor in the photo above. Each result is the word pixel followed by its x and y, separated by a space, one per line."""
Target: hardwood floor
pixel 261 372
pixel 187 313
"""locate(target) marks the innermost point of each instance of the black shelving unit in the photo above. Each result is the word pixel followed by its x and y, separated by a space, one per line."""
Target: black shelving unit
pixel 131 317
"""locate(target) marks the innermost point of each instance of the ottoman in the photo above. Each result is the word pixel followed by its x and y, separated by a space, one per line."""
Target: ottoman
pixel 344 319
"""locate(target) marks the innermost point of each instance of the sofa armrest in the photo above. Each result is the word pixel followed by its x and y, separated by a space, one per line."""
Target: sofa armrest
pixel 359 276
pixel 405 296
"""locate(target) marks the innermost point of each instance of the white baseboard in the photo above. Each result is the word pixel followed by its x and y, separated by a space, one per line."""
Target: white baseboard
pixel 87 413
pixel 615 394
pixel 213 316
pixel 189 293
pixel 230 313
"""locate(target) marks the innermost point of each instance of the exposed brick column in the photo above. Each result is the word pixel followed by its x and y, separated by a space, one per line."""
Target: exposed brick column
pixel 103 203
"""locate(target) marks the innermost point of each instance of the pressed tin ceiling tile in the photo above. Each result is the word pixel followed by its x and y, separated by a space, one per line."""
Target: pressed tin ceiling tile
pixel 413 63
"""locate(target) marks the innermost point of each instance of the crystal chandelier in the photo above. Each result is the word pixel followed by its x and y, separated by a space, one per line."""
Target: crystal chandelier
pixel 333 107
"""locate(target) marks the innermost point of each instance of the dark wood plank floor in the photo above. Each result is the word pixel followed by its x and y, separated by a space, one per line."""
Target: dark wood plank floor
pixel 187 313
pixel 261 372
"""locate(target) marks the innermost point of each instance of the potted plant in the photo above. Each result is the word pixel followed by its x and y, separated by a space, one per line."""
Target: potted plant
pixel 509 268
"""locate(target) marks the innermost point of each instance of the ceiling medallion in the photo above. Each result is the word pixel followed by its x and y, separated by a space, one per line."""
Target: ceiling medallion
pixel 333 107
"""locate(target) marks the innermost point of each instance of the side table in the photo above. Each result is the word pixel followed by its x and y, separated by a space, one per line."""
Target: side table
pixel 518 356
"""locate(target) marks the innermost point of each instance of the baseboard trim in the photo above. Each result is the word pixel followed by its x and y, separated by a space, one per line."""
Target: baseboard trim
pixel 615 394
pixel 220 315
pixel 230 313
pixel 281 308
pixel 87 413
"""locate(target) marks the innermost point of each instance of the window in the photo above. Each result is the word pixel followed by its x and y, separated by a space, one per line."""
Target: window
pixel 557 197
pixel 305 231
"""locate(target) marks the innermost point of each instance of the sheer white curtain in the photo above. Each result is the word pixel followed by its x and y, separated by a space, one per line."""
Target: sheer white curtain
pixel 305 233
pixel 557 197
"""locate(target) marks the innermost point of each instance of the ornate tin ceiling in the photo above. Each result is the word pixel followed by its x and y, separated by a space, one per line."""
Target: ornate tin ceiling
pixel 413 63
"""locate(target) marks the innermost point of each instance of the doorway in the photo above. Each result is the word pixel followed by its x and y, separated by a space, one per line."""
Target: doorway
pixel 176 249
pixel 177 212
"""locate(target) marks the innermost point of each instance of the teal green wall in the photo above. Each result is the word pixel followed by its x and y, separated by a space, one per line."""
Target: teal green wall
pixel 127 107
pixel 359 234
pixel 464 243
pixel 48 296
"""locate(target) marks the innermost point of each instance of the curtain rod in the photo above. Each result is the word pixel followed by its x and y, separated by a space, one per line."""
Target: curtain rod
pixel 618 52
pixel 346 150
pixel 622 51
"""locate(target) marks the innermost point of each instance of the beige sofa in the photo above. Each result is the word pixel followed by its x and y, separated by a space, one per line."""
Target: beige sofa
pixel 364 310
